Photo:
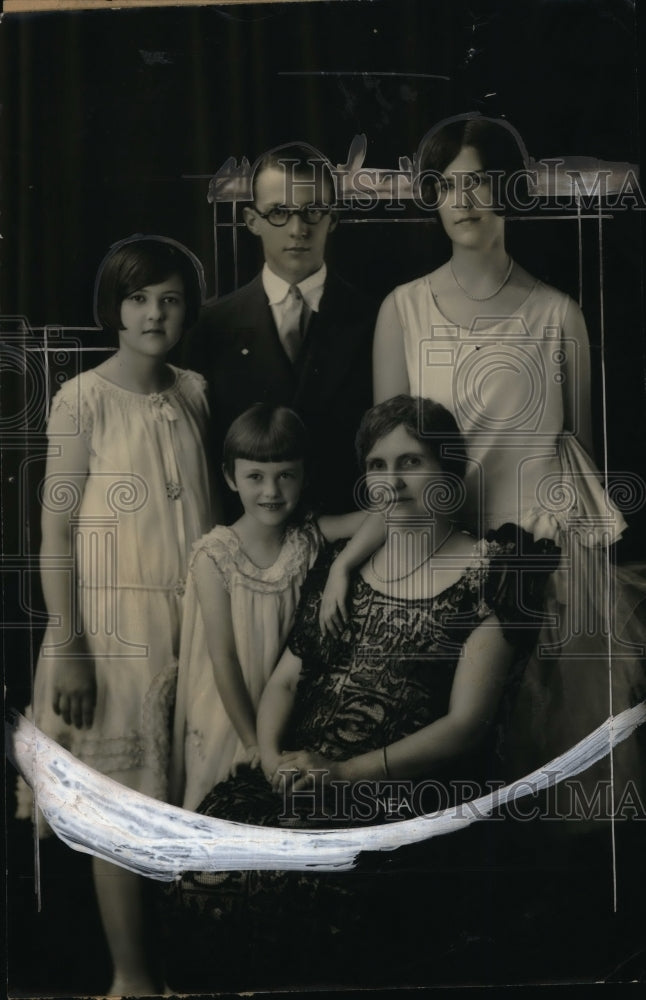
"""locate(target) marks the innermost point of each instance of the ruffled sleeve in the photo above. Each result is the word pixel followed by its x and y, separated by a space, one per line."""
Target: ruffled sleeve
pixel 575 499
pixel 311 538
pixel 191 382
pixel 219 546
pixel 71 409
pixel 192 388
pixel 222 546
pixel 517 574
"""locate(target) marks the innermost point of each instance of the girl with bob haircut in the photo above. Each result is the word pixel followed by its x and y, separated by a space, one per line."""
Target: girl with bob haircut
pixel 243 587
pixel 145 260
pixel 126 450
pixel 265 433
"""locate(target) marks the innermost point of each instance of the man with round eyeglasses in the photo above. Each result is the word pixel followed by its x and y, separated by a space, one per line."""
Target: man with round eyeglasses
pixel 297 334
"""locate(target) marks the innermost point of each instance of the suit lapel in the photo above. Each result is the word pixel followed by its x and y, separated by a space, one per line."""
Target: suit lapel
pixel 330 345
pixel 256 333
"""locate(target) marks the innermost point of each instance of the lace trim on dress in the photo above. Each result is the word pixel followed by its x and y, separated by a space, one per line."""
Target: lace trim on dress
pixel 185 378
pixel 223 547
pixel 72 398
pixel 156 720
pixel 185 383
pixel 148 748
pixel 123 753
pixel 195 739
pixel 72 393
pixel 73 402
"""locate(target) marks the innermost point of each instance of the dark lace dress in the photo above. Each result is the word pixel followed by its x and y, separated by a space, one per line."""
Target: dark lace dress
pixel 388 675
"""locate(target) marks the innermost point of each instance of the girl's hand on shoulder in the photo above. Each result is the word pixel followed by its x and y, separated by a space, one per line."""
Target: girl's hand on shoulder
pixel 74 692
pixel 333 613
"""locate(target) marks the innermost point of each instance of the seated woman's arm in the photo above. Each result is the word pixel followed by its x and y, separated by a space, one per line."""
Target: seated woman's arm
pixel 215 604
pixel 475 694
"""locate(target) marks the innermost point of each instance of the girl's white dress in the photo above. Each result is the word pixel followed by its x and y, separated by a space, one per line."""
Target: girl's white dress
pixel 263 602
pixel 503 381
pixel 134 519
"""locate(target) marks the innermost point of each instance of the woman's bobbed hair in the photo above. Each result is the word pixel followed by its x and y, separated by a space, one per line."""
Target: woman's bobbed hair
pixel 499 145
pixel 137 262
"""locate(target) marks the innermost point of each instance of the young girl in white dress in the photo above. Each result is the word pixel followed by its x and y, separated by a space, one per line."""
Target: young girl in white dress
pixel 125 496
pixel 243 587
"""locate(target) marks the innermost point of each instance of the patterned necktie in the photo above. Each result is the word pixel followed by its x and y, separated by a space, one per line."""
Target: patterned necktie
pixel 292 327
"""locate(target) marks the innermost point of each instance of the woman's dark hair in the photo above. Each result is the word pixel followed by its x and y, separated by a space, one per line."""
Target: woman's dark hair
pixel 500 147
pixel 265 433
pixel 428 422
pixel 145 260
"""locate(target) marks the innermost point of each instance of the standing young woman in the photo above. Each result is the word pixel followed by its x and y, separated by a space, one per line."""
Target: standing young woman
pixel 510 357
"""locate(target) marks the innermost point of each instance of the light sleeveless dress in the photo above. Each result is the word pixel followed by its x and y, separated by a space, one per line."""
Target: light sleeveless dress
pixel 502 381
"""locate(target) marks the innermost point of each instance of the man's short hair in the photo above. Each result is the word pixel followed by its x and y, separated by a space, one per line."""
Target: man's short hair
pixel 303 160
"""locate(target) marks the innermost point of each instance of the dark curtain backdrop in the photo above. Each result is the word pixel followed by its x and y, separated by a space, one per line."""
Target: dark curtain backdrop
pixel 107 116
pixel 107 112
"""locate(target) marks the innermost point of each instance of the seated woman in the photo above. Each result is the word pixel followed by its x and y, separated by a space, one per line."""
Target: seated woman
pixel 383 720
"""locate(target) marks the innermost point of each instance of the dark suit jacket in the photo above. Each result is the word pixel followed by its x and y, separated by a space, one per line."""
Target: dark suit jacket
pixel 235 345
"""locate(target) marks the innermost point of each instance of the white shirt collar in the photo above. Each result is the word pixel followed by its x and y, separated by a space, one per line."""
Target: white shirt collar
pixel 311 288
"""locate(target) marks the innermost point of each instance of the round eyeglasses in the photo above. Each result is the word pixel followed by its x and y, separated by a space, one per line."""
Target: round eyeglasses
pixel 278 216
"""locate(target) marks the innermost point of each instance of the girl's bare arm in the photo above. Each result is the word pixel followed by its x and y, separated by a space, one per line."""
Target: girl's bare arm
pixel 275 709
pixel 220 640
pixel 74 687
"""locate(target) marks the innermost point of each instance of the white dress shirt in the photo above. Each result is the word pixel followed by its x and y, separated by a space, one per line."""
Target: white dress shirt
pixel 277 290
